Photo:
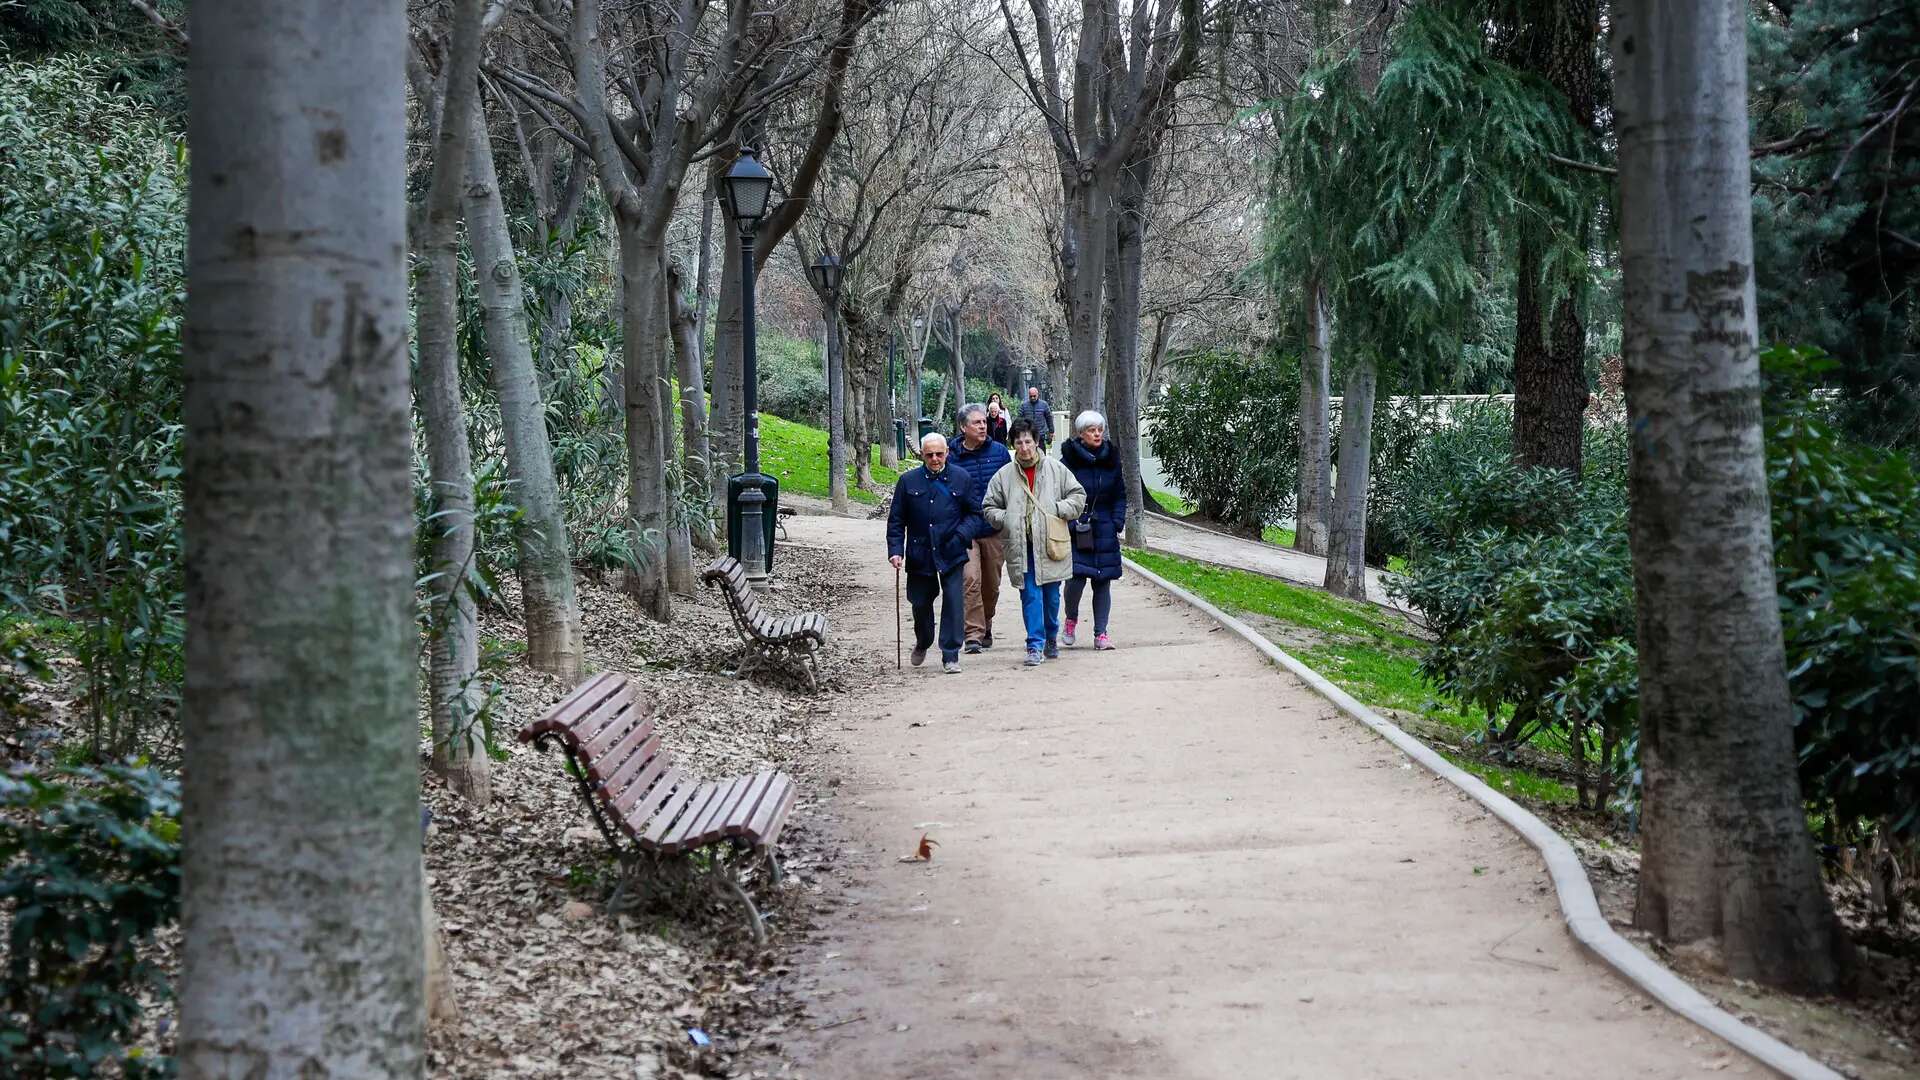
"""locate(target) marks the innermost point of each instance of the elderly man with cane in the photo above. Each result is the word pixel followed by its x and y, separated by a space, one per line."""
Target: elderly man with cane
pixel 930 530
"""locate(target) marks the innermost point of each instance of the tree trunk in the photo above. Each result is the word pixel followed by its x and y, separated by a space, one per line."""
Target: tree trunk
pixel 1555 40
pixel 545 563
pixel 695 445
pixel 836 408
pixel 459 750
pixel 1084 254
pixel 1123 339
pixel 301 887
pixel 916 405
pixel 958 370
pixel 1347 532
pixel 1726 856
pixel 615 374
pixel 642 320
pixel 726 418
pixel 1311 527
pixel 1549 371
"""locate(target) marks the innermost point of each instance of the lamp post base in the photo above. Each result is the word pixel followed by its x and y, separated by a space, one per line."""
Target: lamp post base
pixel 750 514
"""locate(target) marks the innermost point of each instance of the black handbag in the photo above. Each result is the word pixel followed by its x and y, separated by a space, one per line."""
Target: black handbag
pixel 1083 534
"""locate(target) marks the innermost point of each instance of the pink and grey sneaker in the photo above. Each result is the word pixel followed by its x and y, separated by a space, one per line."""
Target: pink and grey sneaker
pixel 1066 632
pixel 1102 642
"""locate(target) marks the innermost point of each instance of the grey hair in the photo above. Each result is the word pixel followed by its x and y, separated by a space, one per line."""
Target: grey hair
pixel 1088 419
pixel 967 410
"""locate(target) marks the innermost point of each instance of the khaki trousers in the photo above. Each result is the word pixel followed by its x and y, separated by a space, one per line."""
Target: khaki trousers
pixel 985 563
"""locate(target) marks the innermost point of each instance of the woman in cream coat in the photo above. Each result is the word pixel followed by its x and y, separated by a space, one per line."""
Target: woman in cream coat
pixel 1031 500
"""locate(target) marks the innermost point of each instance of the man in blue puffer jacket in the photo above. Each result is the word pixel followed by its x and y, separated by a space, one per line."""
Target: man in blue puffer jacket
pixel 930 528
pixel 981 456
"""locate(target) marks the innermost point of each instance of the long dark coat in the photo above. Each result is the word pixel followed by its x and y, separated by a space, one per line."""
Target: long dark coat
pixel 934 519
pixel 1099 472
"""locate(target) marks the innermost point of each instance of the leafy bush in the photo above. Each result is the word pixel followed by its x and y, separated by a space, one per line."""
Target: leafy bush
pixel 1526 580
pixel 89 870
pixel 1846 534
pixel 92 237
pixel 793 380
pixel 1226 436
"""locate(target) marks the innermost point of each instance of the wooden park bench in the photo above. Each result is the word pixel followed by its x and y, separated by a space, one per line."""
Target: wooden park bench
pixel 784 641
pixel 636 793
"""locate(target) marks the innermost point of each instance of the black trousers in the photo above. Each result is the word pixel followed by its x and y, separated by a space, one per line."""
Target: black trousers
pixel 951 589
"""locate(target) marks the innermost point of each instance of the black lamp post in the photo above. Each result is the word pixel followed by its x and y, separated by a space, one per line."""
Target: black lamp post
pixel 746 189
pixel 825 274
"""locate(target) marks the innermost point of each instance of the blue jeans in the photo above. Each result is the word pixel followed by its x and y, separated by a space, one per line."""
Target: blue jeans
pixel 1040 609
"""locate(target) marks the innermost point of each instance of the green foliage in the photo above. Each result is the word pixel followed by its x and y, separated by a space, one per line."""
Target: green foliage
pixel 92 237
pixel 89 870
pixel 1836 262
pixel 1846 530
pixel 1525 578
pixel 1225 434
pixel 1391 195
pixel 793 380
pixel 796 455
pixel 131 55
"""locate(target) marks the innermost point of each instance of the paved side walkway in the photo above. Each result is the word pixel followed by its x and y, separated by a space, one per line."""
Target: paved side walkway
pixel 1173 861
pixel 1173 537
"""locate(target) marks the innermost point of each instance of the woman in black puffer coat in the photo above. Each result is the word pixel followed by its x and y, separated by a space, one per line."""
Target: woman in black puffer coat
pixel 1096 534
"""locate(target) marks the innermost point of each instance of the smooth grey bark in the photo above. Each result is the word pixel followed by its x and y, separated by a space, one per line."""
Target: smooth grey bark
pixel 1726 857
pixel 545 562
pixel 1314 496
pixel 957 371
pixel 301 883
pixel 1347 532
pixel 459 749
pixel 643 325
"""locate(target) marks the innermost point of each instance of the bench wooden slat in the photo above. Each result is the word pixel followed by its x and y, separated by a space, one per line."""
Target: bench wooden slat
pixel 581 701
pixel 769 810
pixel 605 764
pixel 697 824
pixel 663 818
pixel 604 726
pixel 743 811
pixel 632 762
pixel 640 801
pixel 703 798
pixel 715 826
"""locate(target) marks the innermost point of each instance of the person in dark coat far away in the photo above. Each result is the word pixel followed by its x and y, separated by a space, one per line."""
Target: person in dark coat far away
pixel 981 457
pixel 1096 533
pixel 1037 412
pixel 931 526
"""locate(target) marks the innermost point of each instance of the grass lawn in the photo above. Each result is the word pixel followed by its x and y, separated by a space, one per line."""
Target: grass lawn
pixel 1171 503
pixel 797 455
pixel 1362 648
pixel 1275 534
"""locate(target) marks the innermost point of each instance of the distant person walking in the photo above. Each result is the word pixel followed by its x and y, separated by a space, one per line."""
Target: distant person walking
pixel 1096 532
pixel 981 457
pixel 930 527
pixel 1030 501
pixel 1037 412
pixel 998 419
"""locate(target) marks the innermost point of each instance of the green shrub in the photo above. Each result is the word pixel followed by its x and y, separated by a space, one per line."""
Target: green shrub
pixel 1226 436
pixel 793 380
pixel 1846 534
pixel 92 238
pixel 89 870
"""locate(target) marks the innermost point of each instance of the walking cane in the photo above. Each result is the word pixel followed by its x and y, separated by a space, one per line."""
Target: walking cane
pixel 896 619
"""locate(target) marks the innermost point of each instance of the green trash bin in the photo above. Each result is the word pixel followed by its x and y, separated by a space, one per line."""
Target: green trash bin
pixel 926 426
pixel 769 514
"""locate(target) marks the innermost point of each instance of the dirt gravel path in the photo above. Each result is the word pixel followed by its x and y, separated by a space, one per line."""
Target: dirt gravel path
pixel 1172 860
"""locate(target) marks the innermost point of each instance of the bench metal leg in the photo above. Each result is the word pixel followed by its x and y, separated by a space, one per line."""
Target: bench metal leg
pixel 732 884
pixel 775 872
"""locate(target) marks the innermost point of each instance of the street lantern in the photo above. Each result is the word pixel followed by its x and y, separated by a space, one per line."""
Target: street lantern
pixel 746 189
pixel 825 273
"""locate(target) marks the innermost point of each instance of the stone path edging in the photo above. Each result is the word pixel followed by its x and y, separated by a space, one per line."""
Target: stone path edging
pixel 1575 892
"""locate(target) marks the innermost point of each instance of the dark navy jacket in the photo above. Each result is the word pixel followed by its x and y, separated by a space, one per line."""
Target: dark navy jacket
pixel 933 520
pixel 1099 472
pixel 1041 414
pixel 980 464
